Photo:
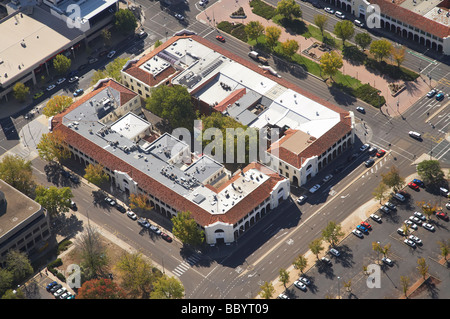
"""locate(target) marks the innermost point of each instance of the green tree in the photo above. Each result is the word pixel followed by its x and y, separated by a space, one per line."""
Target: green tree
pixel 137 275
pixel 62 64
pixel 125 21
pixel 300 263
pixel 444 247
pixel 332 233
pixel 254 29
pixel 321 21
pixel 289 47
pixel 283 276
pixel 95 174
pixel 344 30
pixel 18 264
pixel 102 288
pixel 272 36
pixel 267 290
pixel 139 201
pixel 20 91
pixel 393 179
pixel 186 229
pixel 55 200
pixel 430 171
pixel 427 208
pixel 167 288
pixel 316 247
pixel 157 43
pixel 56 105
pixel 289 9
pixel 379 193
pixel 106 35
pixel 17 172
pixel 405 283
pixel 330 63
pixel 363 40
pixel 112 70
pixel 173 104
pixel 52 148
pixel 6 280
pixel 381 49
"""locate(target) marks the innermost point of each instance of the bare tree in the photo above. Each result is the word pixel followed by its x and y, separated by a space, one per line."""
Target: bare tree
pixel 94 260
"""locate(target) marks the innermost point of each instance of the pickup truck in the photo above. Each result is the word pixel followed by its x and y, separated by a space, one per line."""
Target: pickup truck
pixel 256 56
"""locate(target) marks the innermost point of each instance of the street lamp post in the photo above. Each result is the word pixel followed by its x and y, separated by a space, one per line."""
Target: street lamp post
pixel 339 288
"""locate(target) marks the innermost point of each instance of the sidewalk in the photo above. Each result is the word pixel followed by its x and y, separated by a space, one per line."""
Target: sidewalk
pixel 221 10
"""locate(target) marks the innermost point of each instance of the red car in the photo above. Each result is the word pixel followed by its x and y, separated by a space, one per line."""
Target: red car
pixel 381 153
pixel 166 237
pixel 220 38
pixel 366 224
pixel 442 215
pixel 413 186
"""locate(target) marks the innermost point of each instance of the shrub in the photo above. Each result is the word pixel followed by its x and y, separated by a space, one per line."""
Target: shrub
pixel 63 245
pixel 262 9
pixel 225 26
pixel 55 263
pixel 61 277
pixel 239 32
pixel 369 95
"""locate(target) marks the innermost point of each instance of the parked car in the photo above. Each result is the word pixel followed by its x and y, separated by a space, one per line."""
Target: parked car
pixel 326 260
pixel 413 186
pixel 327 178
pixel 362 229
pixel 381 153
pixel 110 201
pixel 301 199
pixel 59 292
pixel 120 208
pixel 220 38
pixel 357 233
pixel 364 147
pixel 93 60
pixel 415 239
pixel 314 189
pixel 390 206
pixel 358 23
pixel 155 229
pixel 304 280
pixel 366 224
pixel 399 197
pixel 179 16
pixel 447 205
pixel 329 10
pixel 300 285
pixel 410 224
pixel 439 96
pixel 51 285
pixel 410 243
pixel 78 92
pixel 387 261
pixel 415 220
pixel 132 215
pixel 373 150
pixel 143 223
pixel 428 226
pixel 60 81
pixel 420 215
pixel 339 14
pixel 282 296
pixel 384 209
pixel 73 79
pixel 442 215
pixel 418 182
pixel 38 95
pixel 166 237
pixel 142 34
pixel 401 231
pixel 376 218
pixel 50 87
pixel 444 191
pixel 203 2
pixel 74 178
pixel 335 252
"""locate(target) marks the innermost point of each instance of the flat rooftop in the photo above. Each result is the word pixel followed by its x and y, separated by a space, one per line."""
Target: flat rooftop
pixel 429 9
pixel 88 8
pixel 18 209
pixel 29 40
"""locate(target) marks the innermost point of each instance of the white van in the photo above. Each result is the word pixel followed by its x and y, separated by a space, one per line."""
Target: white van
pixel 415 135
pixel 359 23
pixel 400 197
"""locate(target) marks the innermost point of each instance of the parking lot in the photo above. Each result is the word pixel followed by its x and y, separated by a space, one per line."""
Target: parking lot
pixel 355 253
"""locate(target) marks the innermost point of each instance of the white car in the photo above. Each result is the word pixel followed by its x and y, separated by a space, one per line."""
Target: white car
pixel 314 189
pixel 364 147
pixel 60 81
pixel 415 239
pixel 428 226
pixel 300 285
pixel 339 14
pixel 282 296
pixel 357 233
pixel 305 280
pixel 447 205
pixel 410 243
pixel 431 93
pixel 415 220
pixel 335 252
pixel 111 54
pixel 110 201
pixel 73 79
pixel 327 178
pixel 59 292
pixel 203 2
pixel 179 16
pixel 375 217
pixel 155 229
pixel 131 215
pixel 411 224
pixel 419 215
pixel 51 87
pixel 301 199
pixel 444 191
pixel 329 10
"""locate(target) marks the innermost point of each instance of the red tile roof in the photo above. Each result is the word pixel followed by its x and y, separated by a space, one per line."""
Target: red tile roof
pixel 406 16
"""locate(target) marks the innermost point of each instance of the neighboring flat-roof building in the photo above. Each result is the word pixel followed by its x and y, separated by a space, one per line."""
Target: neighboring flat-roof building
pixel 426 22
pixel 220 81
pixel 165 170
pixel 24 224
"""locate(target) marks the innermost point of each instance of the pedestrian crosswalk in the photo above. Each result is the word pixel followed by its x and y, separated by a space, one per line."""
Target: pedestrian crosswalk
pixel 187 264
